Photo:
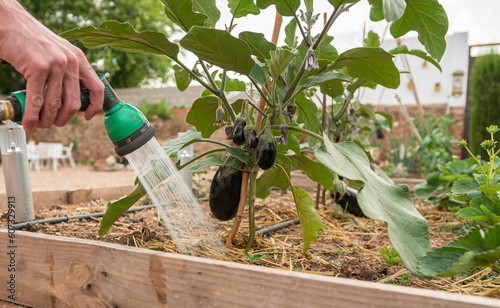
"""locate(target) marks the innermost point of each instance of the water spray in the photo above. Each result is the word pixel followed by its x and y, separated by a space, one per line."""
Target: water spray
pixel 133 137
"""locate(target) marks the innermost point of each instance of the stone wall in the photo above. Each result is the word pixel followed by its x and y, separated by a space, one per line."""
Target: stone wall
pixel 94 144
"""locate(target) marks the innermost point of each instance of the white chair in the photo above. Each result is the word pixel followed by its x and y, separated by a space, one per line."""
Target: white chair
pixel 33 157
pixel 66 154
pixel 50 152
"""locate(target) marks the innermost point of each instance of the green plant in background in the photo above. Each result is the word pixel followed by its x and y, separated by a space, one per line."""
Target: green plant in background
pixel 390 256
pixel 289 74
pixel 154 111
pixel 252 258
pixel 484 98
pixel 481 247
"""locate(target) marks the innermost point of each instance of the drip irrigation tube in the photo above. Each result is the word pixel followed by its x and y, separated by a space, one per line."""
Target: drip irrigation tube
pixel 56 220
pixel 277 227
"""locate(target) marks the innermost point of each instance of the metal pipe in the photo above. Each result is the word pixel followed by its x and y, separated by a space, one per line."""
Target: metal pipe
pixel 56 220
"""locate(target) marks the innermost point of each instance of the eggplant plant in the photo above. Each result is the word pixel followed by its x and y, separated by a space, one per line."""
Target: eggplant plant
pixel 287 79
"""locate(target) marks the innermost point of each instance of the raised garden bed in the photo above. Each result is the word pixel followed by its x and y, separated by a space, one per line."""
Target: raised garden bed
pixel 64 271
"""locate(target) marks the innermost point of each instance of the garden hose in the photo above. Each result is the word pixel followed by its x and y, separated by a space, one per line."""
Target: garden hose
pixel 127 128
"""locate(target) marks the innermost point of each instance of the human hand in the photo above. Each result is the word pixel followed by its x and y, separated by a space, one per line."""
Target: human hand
pixel 52 66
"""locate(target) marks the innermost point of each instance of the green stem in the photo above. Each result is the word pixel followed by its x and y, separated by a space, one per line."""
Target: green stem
pixel 251 207
pixel 209 77
pixel 343 108
pixel 234 15
pixel 266 99
pixel 477 160
pixel 257 108
pixel 200 156
pixel 197 78
pixel 214 142
pixel 308 41
pixel 302 130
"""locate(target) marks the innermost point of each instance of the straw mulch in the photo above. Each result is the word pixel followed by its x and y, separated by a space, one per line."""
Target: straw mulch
pixel 347 247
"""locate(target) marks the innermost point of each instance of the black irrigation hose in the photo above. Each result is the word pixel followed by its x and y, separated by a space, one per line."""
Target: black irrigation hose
pixel 277 227
pixel 56 220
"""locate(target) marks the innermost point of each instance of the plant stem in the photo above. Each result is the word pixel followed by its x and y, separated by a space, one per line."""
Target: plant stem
pixel 251 207
pixel 257 108
pixel 200 156
pixel 197 78
pixel 477 160
pixel 214 142
pixel 343 108
pixel 346 240
pixel 308 42
pixel 207 73
pixel 266 99
pixel 302 130
pixel 241 208
pixel 234 15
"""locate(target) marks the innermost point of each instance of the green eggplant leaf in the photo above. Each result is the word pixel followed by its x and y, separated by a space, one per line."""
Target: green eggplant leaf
pixel 209 9
pixel 314 170
pixel 376 10
pixel 290 29
pixel 245 7
pixel 332 88
pixel 182 78
pixel 393 9
pixel 429 19
pixel 239 154
pixel 402 49
pixel 202 114
pixel 219 48
pixel 371 64
pixel 122 36
pixel 475 249
pixel 280 58
pixel 321 78
pixel 116 209
pixel 372 40
pixel 379 200
pixel 336 3
pixel 172 146
pixel 310 221
pixel 203 163
pixel 273 177
pixel 231 85
pixel 182 14
pixel 284 7
pixel 259 46
pixel 307 113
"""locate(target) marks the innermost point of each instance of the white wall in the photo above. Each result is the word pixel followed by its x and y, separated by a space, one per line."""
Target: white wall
pixel 456 57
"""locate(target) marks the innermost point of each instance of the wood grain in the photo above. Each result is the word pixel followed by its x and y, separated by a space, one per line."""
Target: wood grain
pixel 65 272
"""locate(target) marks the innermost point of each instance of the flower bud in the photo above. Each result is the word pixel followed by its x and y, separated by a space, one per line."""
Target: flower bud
pixel 219 114
pixel 284 134
pixel 311 62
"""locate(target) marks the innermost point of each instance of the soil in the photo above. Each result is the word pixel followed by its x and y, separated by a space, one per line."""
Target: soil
pixel 347 246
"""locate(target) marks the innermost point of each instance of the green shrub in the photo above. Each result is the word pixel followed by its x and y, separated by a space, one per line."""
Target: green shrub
pixel 485 100
pixel 153 111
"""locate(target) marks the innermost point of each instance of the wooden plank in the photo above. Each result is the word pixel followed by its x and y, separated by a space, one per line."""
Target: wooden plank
pixel 66 272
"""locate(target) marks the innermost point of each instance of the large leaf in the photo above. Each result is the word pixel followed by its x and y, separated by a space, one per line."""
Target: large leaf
pixel 290 29
pixel 284 7
pixel 182 14
pixel 259 46
pixel 473 250
pixel 203 163
pixel 117 208
pixel 393 9
pixel 429 19
pixel 231 85
pixel 402 49
pixel 279 61
pixel 376 11
pixel 122 36
pixel 182 78
pixel 220 48
pixel 322 78
pixel 202 114
pixel 307 113
pixel 336 3
pixel 172 146
pixel 273 177
pixel 314 170
pixel 379 200
pixel 310 221
pixel 245 7
pixel 372 64
pixel 209 9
